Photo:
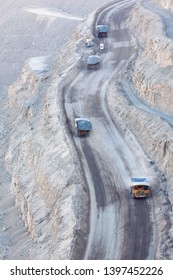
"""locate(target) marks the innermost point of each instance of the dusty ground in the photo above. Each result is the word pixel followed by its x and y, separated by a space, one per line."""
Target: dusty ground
pixel 53 198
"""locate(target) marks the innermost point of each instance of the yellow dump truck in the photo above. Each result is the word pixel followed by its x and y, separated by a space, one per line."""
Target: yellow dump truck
pixel 140 187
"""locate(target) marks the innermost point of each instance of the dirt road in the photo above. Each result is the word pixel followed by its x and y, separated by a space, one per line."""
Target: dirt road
pixel 120 228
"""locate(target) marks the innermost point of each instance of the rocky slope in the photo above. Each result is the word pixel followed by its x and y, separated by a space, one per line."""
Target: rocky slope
pixel 167 4
pixel 46 176
pixel 152 77
pixel 152 74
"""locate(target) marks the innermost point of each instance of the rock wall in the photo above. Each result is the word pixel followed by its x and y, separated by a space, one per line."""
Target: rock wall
pixel 152 71
pixel 46 176
pixel 151 77
pixel 167 4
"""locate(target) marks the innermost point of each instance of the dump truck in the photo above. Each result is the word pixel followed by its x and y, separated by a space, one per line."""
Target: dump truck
pixel 83 126
pixel 102 30
pixel 93 62
pixel 140 187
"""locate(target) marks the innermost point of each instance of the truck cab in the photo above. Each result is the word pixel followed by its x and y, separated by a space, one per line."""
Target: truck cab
pixel 140 187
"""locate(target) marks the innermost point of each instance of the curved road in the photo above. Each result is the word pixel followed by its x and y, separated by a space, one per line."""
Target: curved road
pixel 120 228
pixel 167 20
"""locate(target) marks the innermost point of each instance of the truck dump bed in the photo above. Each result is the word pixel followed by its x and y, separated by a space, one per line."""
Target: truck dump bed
pixel 139 181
